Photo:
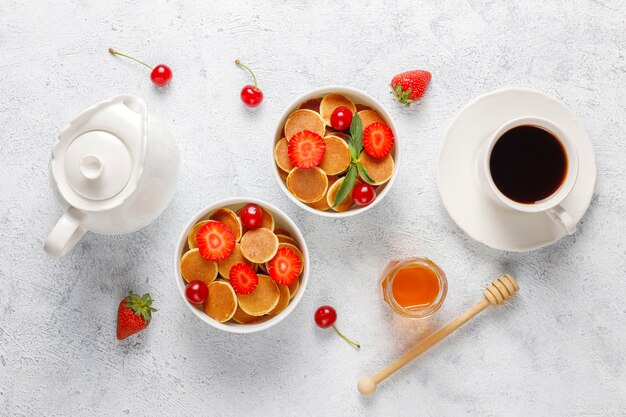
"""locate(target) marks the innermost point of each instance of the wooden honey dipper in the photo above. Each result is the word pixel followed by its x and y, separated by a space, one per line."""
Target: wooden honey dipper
pixel 499 291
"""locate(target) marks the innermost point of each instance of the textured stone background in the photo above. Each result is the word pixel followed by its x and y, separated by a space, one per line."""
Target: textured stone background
pixel 557 350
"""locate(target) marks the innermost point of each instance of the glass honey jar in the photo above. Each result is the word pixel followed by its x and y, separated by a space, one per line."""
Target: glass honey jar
pixel 414 287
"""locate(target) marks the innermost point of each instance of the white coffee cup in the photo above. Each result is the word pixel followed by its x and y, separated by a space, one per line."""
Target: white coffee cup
pixel 550 205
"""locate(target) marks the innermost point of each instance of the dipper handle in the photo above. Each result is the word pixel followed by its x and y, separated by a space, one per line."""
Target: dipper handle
pixel 499 291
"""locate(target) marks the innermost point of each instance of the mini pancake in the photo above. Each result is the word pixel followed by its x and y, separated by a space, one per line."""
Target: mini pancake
pixel 236 257
pixel 283 301
pixel 285 239
pixel 230 219
pixel 221 302
pixel 268 220
pixel 293 288
pixel 192 242
pixel 322 204
pixel 330 102
pixel 370 116
pixel 283 174
pixel 281 155
pixel 280 231
pixel 341 135
pixel 262 300
pixel 304 120
pixel 194 267
pixel 361 107
pixel 347 202
pixel 242 317
pixel 259 245
pixel 312 104
pixel 307 185
pixel 379 169
pixel 337 157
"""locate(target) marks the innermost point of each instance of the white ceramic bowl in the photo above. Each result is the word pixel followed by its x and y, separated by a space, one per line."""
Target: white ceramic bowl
pixel 281 220
pixel 356 96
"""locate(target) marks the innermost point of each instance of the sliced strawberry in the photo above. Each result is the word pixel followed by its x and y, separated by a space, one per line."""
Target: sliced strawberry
pixel 306 149
pixel 378 140
pixel 285 266
pixel 215 241
pixel 243 279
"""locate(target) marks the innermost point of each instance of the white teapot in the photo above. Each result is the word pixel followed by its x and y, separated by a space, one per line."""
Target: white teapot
pixel 114 169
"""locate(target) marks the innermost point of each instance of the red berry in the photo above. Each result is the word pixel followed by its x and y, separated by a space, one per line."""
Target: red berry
pixel 285 266
pixel 306 149
pixel 341 118
pixel 325 316
pixel 251 216
pixel 251 95
pixel 133 314
pixel 378 140
pixel 215 241
pixel 410 86
pixel 161 75
pixel 363 194
pixel 243 279
pixel 196 292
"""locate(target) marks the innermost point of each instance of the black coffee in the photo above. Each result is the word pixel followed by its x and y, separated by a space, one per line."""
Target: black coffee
pixel 528 164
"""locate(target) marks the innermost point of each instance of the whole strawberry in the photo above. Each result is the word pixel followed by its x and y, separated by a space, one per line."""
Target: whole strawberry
pixel 410 86
pixel 133 314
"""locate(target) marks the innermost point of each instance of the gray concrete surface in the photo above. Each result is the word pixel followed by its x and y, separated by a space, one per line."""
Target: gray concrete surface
pixel 557 350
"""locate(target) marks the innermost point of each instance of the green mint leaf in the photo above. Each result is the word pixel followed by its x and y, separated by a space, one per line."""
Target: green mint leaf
pixel 346 186
pixel 353 150
pixel 356 133
pixel 364 173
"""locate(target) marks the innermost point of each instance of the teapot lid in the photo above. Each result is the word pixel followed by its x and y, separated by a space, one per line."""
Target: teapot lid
pixel 98 159
pixel 97 165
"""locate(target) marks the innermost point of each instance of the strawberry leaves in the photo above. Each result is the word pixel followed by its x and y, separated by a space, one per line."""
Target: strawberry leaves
pixel 355 144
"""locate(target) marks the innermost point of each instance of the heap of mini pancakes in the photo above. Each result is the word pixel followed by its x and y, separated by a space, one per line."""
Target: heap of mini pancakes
pixel 318 186
pixel 255 248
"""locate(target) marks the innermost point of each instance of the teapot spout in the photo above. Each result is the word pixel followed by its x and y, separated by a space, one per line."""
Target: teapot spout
pixel 66 233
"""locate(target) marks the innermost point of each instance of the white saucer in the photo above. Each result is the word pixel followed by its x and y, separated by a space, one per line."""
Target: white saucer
pixel 468 205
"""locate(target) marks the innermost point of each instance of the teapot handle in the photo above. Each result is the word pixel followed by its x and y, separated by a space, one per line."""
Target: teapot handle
pixel 65 234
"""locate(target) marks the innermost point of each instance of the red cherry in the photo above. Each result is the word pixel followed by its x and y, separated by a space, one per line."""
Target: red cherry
pixel 196 292
pixel 161 75
pixel 363 194
pixel 251 95
pixel 251 216
pixel 341 119
pixel 325 317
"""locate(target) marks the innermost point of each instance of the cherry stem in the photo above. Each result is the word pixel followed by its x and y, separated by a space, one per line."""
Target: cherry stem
pixel 355 344
pixel 238 62
pixel 114 52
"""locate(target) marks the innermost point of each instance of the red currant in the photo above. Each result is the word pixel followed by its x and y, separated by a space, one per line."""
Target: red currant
pixel 161 75
pixel 251 95
pixel 196 292
pixel 341 119
pixel 363 194
pixel 325 317
pixel 251 216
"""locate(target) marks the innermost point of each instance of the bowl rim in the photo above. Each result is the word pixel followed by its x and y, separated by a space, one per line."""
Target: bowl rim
pixel 372 102
pixel 236 327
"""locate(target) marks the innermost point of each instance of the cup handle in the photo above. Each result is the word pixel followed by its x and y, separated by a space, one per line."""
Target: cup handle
pixel 562 218
pixel 65 234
